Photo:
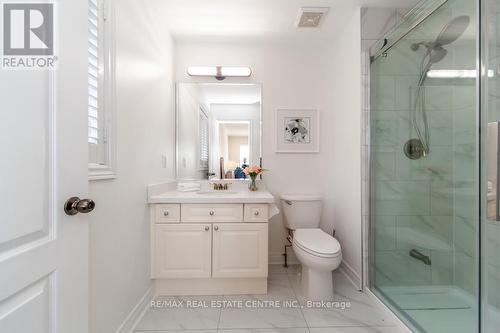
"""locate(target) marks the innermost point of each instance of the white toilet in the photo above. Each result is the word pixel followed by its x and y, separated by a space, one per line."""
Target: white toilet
pixel 318 252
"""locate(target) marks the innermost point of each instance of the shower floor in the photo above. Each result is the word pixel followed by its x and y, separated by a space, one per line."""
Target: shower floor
pixel 436 309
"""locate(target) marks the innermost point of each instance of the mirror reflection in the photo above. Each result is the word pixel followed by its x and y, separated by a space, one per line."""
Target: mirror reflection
pixel 218 130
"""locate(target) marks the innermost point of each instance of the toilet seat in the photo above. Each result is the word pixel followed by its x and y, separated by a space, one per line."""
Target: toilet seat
pixel 317 242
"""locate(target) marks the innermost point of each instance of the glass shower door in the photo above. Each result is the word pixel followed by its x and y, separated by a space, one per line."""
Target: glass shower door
pixel 490 118
pixel 424 176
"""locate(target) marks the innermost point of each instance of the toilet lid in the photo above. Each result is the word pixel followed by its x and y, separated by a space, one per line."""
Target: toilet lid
pixel 316 241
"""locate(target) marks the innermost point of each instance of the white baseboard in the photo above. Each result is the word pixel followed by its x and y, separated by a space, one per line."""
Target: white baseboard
pixel 279 258
pixel 135 315
pixel 400 324
pixel 351 274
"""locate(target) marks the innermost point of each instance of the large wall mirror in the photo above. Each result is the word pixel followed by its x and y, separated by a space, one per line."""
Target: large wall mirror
pixel 218 130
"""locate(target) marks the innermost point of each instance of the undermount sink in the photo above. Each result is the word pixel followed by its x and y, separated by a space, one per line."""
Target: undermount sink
pixel 217 192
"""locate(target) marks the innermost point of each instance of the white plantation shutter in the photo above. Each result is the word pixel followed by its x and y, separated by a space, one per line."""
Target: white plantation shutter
pixel 203 129
pixel 93 72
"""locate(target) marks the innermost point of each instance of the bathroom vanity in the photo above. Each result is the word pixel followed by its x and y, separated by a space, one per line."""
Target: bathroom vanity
pixel 210 243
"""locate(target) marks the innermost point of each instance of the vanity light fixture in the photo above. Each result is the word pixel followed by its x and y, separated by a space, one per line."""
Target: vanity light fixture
pixel 219 72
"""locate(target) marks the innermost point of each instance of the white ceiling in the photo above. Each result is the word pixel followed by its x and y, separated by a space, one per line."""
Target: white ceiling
pixel 234 20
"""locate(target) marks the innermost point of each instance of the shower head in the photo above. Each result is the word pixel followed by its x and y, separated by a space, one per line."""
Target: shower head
pixel 450 33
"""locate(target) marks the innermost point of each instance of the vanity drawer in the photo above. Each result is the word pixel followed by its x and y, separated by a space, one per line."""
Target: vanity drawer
pixel 212 212
pixel 256 212
pixel 167 213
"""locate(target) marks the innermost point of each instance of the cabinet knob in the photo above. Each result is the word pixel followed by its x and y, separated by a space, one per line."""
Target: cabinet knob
pixel 212 213
pixel 165 213
pixel 207 228
pixel 216 228
pixel 256 213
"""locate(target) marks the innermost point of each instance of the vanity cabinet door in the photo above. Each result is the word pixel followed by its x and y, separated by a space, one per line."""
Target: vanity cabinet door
pixel 182 251
pixel 239 250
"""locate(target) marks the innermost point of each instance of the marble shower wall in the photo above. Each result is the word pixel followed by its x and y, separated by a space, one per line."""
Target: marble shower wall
pixel 425 204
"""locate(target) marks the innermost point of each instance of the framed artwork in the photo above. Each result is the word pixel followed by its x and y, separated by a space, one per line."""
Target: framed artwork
pixel 297 131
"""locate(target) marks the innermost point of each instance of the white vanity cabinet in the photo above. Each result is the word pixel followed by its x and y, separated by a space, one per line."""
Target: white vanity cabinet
pixel 209 248
pixel 239 250
pixel 182 251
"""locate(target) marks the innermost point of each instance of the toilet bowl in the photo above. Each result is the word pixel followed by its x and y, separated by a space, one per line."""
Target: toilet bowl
pixel 318 252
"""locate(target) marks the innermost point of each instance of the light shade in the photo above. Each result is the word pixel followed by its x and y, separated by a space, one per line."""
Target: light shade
pixel 219 71
pixel 456 73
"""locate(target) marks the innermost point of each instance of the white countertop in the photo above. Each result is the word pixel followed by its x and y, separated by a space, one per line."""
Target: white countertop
pixel 242 196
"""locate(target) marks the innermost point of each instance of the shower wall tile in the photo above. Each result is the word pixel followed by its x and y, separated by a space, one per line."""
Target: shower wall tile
pixel 401 198
pixel 437 165
pixel 384 88
pixel 442 267
pixel 465 201
pixel 376 22
pixel 425 233
pixel 385 233
pixel 390 128
pixel 384 165
pixel 437 98
pixel 441 127
pixel 405 85
pixel 464 96
pixel 464 120
pixel 463 240
pixel 464 272
pixel 441 198
pixel 400 14
pixel 464 159
pixel 397 268
pixel 400 61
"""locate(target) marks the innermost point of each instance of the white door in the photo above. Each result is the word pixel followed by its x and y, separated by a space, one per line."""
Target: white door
pixel 240 250
pixel 182 251
pixel 43 124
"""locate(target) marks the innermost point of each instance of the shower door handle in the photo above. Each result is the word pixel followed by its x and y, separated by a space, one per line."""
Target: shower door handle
pixel 492 159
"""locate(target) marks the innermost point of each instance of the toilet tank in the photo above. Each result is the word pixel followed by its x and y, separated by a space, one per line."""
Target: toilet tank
pixel 301 210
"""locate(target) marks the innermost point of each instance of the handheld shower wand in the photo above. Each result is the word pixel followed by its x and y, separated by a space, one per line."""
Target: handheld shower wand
pixel 435 52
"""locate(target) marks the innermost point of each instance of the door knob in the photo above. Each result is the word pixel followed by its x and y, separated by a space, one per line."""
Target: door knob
pixel 75 205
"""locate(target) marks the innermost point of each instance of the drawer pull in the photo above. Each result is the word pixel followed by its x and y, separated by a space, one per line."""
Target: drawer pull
pixel 212 213
pixel 207 228
pixel 256 213
pixel 165 213
pixel 216 228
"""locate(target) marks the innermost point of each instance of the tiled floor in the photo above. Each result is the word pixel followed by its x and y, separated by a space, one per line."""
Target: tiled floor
pixel 361 317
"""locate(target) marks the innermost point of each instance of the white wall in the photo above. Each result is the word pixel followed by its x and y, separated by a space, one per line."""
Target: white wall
pixel 119 226
pixel 344 191
pixel 324 76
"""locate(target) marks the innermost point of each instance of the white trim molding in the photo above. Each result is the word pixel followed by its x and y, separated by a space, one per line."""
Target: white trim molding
pixel 132 319
pixel 351 275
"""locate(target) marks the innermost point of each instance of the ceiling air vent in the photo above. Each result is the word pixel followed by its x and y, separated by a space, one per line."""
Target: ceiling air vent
pixel 311 17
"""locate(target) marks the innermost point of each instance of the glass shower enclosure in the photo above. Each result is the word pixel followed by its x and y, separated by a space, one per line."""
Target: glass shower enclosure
pixel 434 125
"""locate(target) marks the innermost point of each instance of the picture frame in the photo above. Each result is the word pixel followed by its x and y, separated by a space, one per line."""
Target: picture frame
pixel 297 131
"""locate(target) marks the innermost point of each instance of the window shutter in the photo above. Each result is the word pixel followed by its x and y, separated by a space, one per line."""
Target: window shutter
pixel 93 72
pixel 203 140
